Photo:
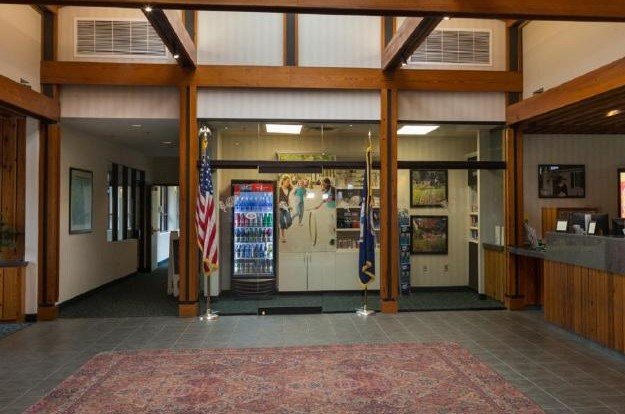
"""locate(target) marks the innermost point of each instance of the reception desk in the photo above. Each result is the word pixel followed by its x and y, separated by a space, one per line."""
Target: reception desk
pixel 583 285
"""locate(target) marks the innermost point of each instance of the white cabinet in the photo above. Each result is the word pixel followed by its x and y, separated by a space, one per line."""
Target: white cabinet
pixel 347 271
pixel 321 271
pixel 293 272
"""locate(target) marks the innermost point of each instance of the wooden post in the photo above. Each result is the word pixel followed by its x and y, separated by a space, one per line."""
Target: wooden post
pixel 389 228
pixel 49 221
pixel 188 250
pixel 514 215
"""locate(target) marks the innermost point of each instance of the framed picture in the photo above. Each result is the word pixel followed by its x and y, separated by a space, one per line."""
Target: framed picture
pixel 428 188
pixel 429 234
pixel 561 181
pixel 621 193
pixel 80 201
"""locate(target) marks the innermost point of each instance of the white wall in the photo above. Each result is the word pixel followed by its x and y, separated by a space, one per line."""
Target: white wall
pixel 31 237
pixel 556 52
pixel 429 270
pixel 287 104
pixel 162 250
pixel 498 43
pixel 89 260
pixel 20 43
pixel 602 155
pixel 240 38
pixel 452 106
pixel 66 18
pixel 340 41
pixel 150 102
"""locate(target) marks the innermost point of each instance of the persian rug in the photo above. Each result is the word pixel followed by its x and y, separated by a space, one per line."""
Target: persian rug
pixel 395 378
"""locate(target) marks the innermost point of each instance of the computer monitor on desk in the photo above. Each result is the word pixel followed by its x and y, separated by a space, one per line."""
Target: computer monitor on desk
pixel 602 227
pixel 602 222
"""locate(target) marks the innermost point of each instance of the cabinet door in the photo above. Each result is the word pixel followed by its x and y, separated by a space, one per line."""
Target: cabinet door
pixel 292 276
pixel 321 270
pixel 346 269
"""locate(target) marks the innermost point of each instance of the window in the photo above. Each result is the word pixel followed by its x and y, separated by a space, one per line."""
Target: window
pixel 124 192
pixel 163 209
pixel 455 47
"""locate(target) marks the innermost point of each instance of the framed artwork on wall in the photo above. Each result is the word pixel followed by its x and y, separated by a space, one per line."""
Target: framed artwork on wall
pixel 80 201
pixel 561 181
pixel 621 193
pixel 429 234
pixel 428 188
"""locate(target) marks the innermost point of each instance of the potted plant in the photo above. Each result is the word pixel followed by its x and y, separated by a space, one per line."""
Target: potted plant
pixel 7 239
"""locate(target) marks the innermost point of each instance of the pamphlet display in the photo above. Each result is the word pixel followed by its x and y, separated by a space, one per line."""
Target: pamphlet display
pixel 404 252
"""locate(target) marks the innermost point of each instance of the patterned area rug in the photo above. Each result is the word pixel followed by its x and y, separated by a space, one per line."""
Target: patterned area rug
pixel 396 378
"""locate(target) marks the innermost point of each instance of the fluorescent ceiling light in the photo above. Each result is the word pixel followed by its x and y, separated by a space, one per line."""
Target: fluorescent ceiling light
pixel 416 129
pixel 166 142
pixel 136 125
pixel 283 129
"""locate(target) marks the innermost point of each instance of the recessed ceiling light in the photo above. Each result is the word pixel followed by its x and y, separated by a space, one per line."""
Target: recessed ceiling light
pixel 136 125
pixel 614 112
pixel 446 18
pixel 176 56
pixel 283 129
pixel 147 8
pixel 166 142
pixel 416 129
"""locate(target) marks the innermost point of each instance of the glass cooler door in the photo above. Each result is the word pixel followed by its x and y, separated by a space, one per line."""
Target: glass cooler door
pixel 253 229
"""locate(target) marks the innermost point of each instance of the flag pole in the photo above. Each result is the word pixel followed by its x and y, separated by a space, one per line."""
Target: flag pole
pixel 365 311
pixel 210 314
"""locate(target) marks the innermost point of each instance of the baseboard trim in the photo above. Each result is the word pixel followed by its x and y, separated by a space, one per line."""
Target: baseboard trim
pixel 30 317
pixel 88 293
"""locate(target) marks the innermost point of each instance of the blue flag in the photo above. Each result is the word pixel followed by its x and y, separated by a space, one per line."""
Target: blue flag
pixel 366 262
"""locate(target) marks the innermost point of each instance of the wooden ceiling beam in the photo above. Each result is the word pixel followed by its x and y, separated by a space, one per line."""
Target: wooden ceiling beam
pixel 24 101
pixel 277 77
pixel 410 35
pixel 170 28
pixel 592 84
pixel 604 10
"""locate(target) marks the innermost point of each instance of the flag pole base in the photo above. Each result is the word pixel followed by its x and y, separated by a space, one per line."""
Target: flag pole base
pixel 364 311
pixel 210 315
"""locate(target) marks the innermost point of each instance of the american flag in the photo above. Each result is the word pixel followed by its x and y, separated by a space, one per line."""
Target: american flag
pixel 205 218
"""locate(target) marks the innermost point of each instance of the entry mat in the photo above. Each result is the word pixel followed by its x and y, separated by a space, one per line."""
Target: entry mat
pixel 341 379
pixel 7 329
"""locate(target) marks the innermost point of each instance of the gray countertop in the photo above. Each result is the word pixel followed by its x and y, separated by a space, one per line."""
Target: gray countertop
pixel 605 253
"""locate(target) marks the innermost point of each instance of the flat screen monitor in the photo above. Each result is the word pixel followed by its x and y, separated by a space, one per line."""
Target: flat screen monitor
pixel 602 221
pixel 578 219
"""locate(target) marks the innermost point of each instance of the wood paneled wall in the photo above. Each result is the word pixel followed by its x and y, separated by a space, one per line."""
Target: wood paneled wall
pixel 495 274
pixel 586 301
pixel 13 181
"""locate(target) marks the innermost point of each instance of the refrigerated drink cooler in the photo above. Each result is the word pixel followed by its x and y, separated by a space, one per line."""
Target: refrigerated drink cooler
pixel 254 241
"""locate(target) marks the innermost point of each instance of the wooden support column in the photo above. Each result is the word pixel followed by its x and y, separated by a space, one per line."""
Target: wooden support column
pixel 49 221
pixel 513 187
pixel 188 251
pixel 389 238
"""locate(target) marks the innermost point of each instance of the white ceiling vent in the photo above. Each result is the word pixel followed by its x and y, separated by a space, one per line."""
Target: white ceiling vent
pixel 117 38
pixel 455 47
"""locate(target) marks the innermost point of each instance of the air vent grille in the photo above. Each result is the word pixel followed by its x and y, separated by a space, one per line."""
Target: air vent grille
pixel 455 47
pixel 117 38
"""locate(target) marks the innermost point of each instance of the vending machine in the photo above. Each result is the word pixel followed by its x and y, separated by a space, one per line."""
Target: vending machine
pixel 254 241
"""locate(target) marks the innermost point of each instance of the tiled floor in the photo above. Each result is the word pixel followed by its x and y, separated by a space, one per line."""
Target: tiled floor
pixel 558 370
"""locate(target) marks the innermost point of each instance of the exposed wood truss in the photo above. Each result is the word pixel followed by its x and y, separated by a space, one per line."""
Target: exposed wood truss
pixel 89 73
pixel 170 28
pixel 604 10
pixel 581 105
pixel 410 35
pixel 24 101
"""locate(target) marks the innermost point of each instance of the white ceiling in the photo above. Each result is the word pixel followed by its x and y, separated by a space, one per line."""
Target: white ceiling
pixel 147 139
